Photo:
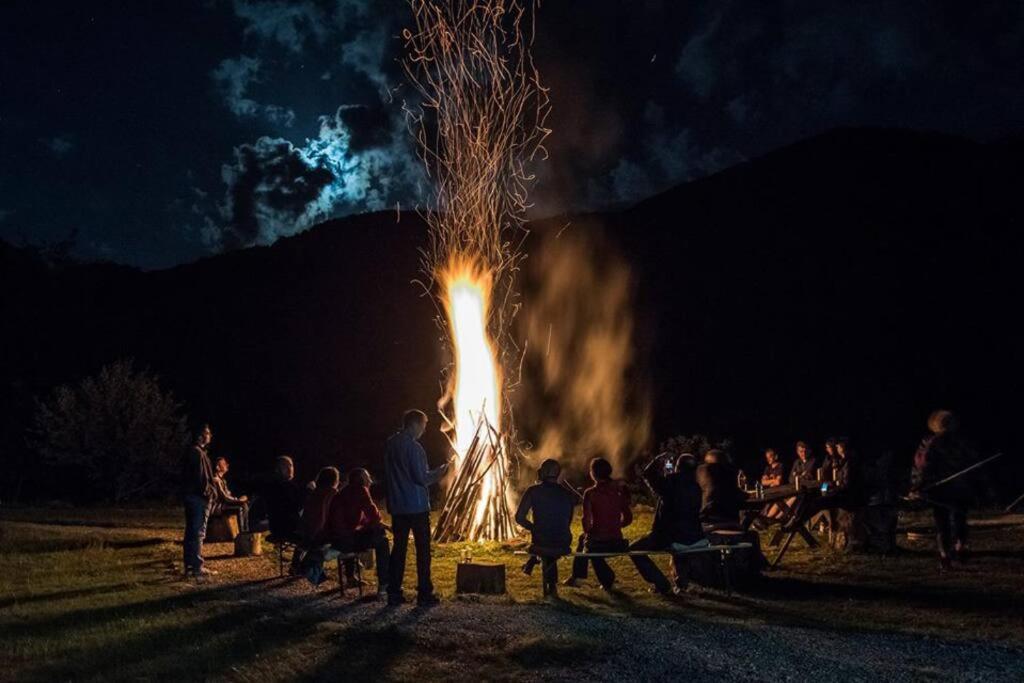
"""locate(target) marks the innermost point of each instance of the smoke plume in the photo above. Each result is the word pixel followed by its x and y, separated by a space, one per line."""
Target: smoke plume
pixel 584 399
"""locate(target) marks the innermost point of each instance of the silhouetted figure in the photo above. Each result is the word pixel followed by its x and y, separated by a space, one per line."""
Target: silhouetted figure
pixel 607 510
pixel 676 518
pixel 354 525
pixel 313 523
pixel 545 510
pixel 197 493
pixel 720 495
pixel 408 477
pixel 284 500
pixel 225 502
pixel 940 455
pixel 831 461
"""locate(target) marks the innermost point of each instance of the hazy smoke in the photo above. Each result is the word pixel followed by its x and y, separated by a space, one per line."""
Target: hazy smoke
pixel 578 374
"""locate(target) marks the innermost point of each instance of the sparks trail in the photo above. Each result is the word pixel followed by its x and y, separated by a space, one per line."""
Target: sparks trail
pixel 479 123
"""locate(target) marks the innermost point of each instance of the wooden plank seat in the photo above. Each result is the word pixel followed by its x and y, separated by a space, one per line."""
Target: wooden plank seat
pixel 282 544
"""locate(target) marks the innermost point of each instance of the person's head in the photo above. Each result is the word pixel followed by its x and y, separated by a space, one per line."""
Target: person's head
pixel 549 470
pixel 942 421
pixel 715 455
pixel 204 436
pixel 842 447
pixel 600 470
pixel 221 466
pixel 830 446
pixel 285 468
pixel 771 456
pixel 414 422
pixel 802 450
pixel 686 467
pixel 328 478
pixel 359 477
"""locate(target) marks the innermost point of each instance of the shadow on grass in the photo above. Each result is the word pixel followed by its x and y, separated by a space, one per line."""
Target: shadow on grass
pixel 365 653
pixel 562 652
pixel 77 593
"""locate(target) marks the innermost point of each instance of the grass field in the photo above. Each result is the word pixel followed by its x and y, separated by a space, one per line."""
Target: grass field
pixel 97 595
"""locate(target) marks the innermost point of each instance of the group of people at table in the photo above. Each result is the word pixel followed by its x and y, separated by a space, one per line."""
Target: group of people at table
pixel 693 499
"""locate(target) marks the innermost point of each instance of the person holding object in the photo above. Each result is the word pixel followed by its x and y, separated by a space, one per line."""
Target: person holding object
pixel 545 510
pixel 354 525
pixel 676 519
pixel 607 510
pixel 940 455
pixel 405 465
pixel 225 502
pixel 197 494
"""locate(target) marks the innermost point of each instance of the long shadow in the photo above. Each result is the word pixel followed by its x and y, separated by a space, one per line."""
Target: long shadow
pixel 77 593
pixel 363 654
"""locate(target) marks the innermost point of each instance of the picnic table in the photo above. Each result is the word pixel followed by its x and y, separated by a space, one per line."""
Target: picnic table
pixel 797 506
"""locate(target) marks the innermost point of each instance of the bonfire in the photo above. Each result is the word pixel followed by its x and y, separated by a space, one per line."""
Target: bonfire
pixel 479 123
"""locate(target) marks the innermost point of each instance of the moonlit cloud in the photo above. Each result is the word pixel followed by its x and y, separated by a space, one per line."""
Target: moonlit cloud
pixel 233 78
pixel 290 24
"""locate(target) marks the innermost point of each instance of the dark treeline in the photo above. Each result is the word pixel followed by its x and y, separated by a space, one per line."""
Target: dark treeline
pixel 846 285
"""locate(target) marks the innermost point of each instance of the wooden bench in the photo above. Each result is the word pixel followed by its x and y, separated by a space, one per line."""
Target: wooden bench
pixel 724 553
pixel 283 544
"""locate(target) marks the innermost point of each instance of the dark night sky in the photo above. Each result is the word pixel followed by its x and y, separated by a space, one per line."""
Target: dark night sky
pixel 162 132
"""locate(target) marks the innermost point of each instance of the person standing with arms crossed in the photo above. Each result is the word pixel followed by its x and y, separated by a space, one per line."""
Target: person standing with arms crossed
pixel 405 465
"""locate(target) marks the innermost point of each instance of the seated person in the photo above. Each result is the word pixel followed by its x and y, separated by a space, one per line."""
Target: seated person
pixel 831 461
pixel 354 525
pixel 313 525
pixel 805 466
pixel 773 473
pixel 721 498
pixel 284 499
pixel 676 518
pixel 545 510
pixel 606 511
pixel 225 503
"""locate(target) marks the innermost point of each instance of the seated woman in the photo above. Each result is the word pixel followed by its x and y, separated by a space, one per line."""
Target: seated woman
pixel 606 511
pixel 313 524
pixel 354 525
pixel 225 503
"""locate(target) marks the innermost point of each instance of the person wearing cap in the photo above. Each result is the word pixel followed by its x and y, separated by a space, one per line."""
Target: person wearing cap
pixel 545 510
pixel 354 525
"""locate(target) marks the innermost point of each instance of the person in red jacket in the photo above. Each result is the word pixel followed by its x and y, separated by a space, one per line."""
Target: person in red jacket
pixel 354 525
pixel 314 513
pixel 606 510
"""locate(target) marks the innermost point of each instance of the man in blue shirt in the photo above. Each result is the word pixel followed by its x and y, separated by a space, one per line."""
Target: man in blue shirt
pixel 405 465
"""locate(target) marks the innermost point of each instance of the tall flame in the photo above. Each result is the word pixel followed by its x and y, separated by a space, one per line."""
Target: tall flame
pixel 477 379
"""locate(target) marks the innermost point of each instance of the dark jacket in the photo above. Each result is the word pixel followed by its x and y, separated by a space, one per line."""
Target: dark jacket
pixel 223 498
pixel 197 474
pixel 551 505
pixel 284 501
pixel 679 499
pixel 720 495
pixel 938 457
pixel 805 469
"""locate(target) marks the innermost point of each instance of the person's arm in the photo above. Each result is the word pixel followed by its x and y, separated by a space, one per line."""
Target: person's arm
pixel 588 512
pixel 371 515
pixel 419 469
pixel 525 504
pixel 654 475
pixel 627 507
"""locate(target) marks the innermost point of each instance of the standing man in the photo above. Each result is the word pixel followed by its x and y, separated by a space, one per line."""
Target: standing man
pixel 405 465
pixel 197 492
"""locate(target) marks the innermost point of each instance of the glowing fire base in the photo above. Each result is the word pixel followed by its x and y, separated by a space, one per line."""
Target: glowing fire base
pixel 478 507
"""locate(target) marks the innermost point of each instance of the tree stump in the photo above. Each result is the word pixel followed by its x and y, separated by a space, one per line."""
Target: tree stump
pixel 478 577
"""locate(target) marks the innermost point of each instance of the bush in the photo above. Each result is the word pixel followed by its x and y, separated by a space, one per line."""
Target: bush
pixel 116 435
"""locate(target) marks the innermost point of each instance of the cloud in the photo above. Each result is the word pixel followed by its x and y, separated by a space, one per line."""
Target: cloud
pixel 60 146
pixel 290 24
pixel 233 78
pixel 359 161
pixel 4 213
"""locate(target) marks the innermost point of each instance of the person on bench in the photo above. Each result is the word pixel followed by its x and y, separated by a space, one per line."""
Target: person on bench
pixel 607 510
pixel 284 500
pixel 226 503
pixel 721 497
pixel 545 510
pixel 676 519
pixel 773 470
pixel 313 524
pixel 354 525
